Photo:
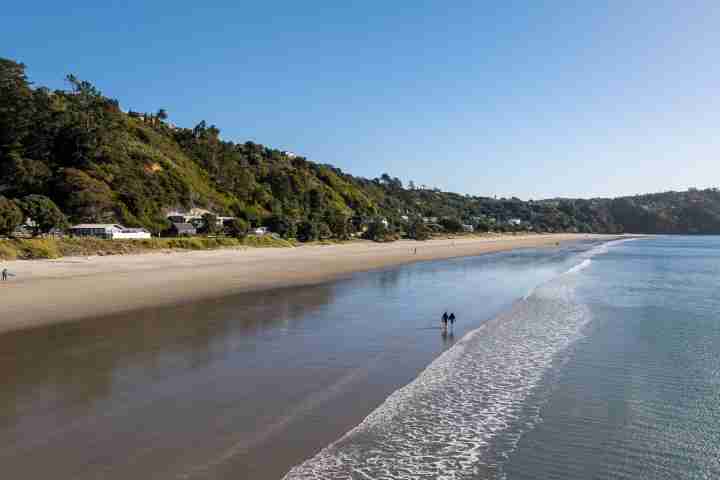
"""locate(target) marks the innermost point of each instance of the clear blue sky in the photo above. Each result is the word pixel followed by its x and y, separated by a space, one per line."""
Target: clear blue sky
pixel 532 99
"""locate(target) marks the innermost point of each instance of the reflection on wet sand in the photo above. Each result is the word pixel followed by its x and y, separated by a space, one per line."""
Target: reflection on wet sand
pixel 241 387
pixel 55 378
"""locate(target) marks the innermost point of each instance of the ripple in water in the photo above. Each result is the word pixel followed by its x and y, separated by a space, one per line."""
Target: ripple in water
pixel 465 413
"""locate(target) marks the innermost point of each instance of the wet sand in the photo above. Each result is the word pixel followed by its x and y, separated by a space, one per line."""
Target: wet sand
pixel 244 386
pixel 72 288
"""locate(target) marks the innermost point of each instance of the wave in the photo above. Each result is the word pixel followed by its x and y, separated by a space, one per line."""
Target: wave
pixel 464 414
pixel 580 266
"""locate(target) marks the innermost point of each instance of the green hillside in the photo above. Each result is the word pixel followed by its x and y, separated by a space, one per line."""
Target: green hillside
pixel 98 163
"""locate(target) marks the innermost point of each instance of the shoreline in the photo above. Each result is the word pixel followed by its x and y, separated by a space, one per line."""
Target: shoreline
pixel 45 292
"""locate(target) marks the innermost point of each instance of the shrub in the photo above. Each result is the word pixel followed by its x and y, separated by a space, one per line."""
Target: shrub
pixel 39 248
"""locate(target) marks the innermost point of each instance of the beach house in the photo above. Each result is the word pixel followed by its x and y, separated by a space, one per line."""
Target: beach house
pixel 110 231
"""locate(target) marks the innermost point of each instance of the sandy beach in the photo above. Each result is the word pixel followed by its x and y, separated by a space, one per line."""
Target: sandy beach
pixel 51 291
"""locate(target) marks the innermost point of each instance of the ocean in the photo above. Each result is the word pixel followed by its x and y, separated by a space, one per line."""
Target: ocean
pixel 611 369
pixel 587 360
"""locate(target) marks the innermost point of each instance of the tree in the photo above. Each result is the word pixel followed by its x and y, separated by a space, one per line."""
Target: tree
pixel 16 105
pixel 90 124
pixel 209 224
pixel 338 223
pixel 162 114
pixel 307 231
pixel 452 225
pixel 376 231
pixel 236 227
pixel 418 230
pixel 86 198
pixel 43 212
pixel 24 175
pixel 10 216
pixel 483 225
pixel 281 225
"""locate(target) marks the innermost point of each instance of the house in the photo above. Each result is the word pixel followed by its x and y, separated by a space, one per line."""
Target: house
pixel 194 216
pixel 515 221
pixel 430 219
pixel 132 234
pixel 110 231
pixel 468 228
pixel 183 229
pixel 259 231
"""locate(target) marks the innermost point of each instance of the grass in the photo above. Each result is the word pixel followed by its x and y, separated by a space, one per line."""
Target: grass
pixel 43 248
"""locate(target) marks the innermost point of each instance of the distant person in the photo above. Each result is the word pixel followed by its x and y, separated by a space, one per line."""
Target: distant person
pixel 415 251
pixel 4 274
pixel 452 319
pixel 444 320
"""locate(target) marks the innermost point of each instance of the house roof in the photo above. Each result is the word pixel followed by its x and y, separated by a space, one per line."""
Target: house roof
pixel 97 225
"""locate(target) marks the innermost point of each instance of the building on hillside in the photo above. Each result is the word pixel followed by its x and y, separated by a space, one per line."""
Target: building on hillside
pixel 259 231
pixel 468 228
pixel 183 230
pixel 194 216
pixel 430 219
pixel 110 231
pixel 515 221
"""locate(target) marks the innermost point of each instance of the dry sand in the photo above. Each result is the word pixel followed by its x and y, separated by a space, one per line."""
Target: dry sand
pixel 51 291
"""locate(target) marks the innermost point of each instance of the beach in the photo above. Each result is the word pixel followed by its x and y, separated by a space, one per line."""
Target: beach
pixel 43 292
pixel 253 384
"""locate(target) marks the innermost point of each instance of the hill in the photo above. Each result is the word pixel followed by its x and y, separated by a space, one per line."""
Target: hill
pixel 98 163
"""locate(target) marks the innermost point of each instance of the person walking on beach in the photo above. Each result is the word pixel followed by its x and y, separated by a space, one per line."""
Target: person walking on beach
pixel 444 321
pixel 4 274
pixel 452 319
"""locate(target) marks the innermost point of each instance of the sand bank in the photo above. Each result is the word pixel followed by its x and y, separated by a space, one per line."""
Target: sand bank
pixel 51 291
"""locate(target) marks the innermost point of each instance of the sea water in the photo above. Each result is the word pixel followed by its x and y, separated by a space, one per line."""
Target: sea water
pixel 610 369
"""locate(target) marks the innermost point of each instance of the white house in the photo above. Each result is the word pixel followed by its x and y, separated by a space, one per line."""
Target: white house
pixel 131 234
pixel 194 216
pixel 110 231
pixel 259 231
pixel 515 221
pixel 468 228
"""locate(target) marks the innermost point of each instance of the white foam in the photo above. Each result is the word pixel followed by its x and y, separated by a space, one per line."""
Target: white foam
pixel 601 249
pixel 440 425
pixel 450 421
pixel 580 266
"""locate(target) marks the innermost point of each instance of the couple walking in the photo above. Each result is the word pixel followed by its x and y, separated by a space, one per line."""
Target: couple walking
pixel 448 318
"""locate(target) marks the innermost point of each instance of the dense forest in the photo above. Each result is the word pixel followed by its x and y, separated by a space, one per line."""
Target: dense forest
pixel 74 155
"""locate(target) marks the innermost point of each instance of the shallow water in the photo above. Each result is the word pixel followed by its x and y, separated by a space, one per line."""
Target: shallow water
pixel 609 370
pixel 640 396
pixel 249 386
